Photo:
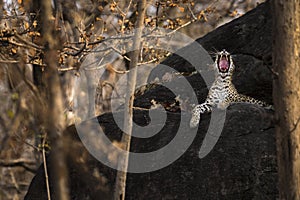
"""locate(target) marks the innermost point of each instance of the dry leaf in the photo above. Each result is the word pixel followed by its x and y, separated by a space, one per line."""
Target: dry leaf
pixel 14 51
pixel 181 9
pixel 147 20
pixel 26 25
pixel 234 13
pixel 34 24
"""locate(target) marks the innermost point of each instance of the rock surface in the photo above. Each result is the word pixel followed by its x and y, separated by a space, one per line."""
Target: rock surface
pixel 242 165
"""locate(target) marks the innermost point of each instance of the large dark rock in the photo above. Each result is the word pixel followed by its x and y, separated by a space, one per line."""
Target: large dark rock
pixel 242 165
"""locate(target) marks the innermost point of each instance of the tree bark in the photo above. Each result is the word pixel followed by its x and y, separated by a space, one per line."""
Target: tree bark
pixel 37 71
pixel 56 122
pixel 131 82
pixel 286 94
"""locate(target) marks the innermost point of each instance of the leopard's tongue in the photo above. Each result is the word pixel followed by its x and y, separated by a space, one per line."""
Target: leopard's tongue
pixel 223 64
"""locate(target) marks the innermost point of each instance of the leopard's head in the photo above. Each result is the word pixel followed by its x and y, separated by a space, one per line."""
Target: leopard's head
pixel 224 63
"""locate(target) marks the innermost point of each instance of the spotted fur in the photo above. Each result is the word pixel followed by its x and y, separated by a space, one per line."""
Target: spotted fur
pixel 222 93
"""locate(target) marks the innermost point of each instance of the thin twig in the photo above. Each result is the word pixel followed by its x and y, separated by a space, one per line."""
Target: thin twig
pixel 120 185
pixel 28 43
pixel 16 162
pixel 105 49
pixel 9 61
pixel 122 13
pixel 78 52
pixel 192 13
pixel 156 13
pixel 295 125
pixel 13 179
pixel 45 167
pixel 110 66
pixel 124 16
pixel 27 143
pixel 65 69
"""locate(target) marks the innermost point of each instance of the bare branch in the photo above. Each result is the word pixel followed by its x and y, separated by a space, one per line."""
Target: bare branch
pixel 78 52
pixel 28 43
pixel 19 163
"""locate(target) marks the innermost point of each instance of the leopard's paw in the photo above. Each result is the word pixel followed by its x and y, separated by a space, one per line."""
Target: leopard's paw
pixel 195 117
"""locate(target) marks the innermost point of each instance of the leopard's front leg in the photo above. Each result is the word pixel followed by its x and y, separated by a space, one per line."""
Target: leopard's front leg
pixel 197 111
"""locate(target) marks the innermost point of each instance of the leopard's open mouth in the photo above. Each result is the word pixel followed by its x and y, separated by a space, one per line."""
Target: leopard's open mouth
pixel 223 63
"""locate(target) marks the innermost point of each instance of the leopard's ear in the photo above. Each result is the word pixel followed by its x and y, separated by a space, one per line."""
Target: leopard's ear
pixel 214 57
pixel 232 58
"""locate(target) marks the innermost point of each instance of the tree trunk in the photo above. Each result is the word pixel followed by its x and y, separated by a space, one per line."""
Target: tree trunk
pixel 286 94
pixel 131 82
pixel 55 116
pixel 37 71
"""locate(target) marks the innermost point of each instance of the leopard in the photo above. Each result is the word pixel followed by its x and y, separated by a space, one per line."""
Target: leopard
pixel 222 93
